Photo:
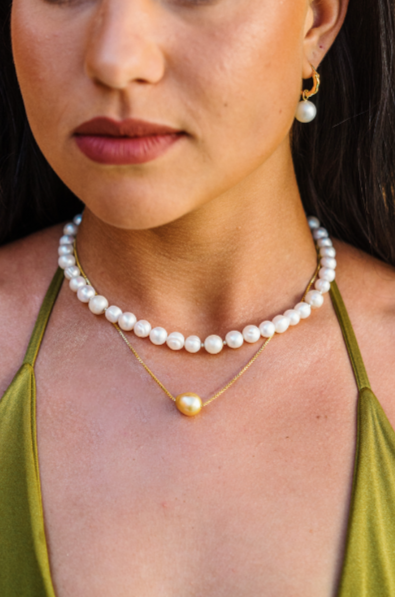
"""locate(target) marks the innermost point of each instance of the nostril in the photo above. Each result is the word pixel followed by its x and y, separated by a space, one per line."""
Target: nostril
pixel 107 72
pixel 118 73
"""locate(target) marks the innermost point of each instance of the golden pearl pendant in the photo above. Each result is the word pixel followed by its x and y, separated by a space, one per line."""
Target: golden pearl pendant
pixel 189 404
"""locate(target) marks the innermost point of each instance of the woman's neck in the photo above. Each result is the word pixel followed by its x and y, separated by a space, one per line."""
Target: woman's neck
pixel 241 258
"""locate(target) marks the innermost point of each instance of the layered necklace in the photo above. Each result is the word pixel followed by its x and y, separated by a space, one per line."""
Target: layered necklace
pixel 190 403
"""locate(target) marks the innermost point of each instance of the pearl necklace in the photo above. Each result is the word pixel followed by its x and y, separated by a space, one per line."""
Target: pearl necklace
pixel 189 403
pixel 213 344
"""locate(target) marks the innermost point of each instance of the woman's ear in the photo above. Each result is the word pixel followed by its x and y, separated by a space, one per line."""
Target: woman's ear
pixel 323 23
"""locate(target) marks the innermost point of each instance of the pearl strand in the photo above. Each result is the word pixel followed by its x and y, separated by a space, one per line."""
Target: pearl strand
pixel 213 344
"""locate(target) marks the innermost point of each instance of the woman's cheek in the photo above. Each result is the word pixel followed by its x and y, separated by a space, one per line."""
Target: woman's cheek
pixel 45 54
pixel 242 84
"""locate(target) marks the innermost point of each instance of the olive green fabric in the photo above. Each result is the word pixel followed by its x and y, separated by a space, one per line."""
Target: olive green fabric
pixel 369 561
pixel 24 564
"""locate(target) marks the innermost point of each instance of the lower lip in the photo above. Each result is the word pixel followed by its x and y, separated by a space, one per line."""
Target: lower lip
pixel 123 151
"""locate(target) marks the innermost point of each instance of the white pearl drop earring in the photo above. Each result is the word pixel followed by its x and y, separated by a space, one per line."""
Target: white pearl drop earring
pixel 306 111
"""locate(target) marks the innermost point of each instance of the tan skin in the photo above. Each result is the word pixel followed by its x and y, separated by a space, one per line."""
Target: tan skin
pixel 250 498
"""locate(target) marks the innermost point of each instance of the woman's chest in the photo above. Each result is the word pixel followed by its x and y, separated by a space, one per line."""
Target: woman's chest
pixel 249 499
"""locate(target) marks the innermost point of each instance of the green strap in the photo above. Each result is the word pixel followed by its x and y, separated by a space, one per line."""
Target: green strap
pixel 350 339
pixel 43 317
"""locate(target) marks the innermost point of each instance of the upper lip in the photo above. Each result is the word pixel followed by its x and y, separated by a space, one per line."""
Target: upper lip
pixel 123 128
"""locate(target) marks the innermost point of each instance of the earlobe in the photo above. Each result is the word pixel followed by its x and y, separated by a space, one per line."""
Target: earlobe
pixel 308 70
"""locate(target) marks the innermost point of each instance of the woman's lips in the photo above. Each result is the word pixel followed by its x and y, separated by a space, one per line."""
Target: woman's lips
pixel 125 150
pixel 125 142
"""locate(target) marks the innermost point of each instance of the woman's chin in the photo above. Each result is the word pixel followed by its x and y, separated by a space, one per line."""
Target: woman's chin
pixel 138 214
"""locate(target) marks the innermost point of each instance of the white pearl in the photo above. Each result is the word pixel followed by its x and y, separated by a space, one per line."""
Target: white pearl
pixel 158 336
pixel 304 309
pixel 329 262
pixel 65 250
pixel 251 334
pixel 127 321
pixel 267 329
pixel 314 299
pixel 70 229
pixel 313 222
pixel 67 240
pixel 322 285
pixel 281 323
pixel 76 283
pixel 142 328
pixel 234 339
pixel 98 304
pixel 327 274
pixel 293 316
pixel 213 344
pixel 193 344
pixel 305 111
pixel 175 341
pixel 72 272
pixel 77 219
pixel 320 233
pixel 324 242
pixel 66 261
pixel 327 252
pixel 113 313
pixel 85 293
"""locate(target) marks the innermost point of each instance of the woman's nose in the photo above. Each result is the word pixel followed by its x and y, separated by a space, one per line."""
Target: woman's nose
pixel 123 46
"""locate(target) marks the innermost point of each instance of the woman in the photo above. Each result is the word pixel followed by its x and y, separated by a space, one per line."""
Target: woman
pixel 173 123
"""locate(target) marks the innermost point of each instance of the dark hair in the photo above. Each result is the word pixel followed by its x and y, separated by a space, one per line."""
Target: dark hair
pixel 32 196
pixel 344 160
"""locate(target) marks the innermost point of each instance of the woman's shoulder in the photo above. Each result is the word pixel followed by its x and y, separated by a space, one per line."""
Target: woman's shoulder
pixel 367 286
pixel 367 283
pixel 26 269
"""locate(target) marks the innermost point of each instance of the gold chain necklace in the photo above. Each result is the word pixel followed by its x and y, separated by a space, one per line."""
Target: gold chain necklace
pixel 189 403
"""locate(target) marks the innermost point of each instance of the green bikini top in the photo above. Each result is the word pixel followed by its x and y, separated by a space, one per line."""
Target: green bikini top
pixel 369 561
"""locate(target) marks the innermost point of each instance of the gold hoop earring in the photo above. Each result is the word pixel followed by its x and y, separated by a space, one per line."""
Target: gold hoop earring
pixel 306 111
